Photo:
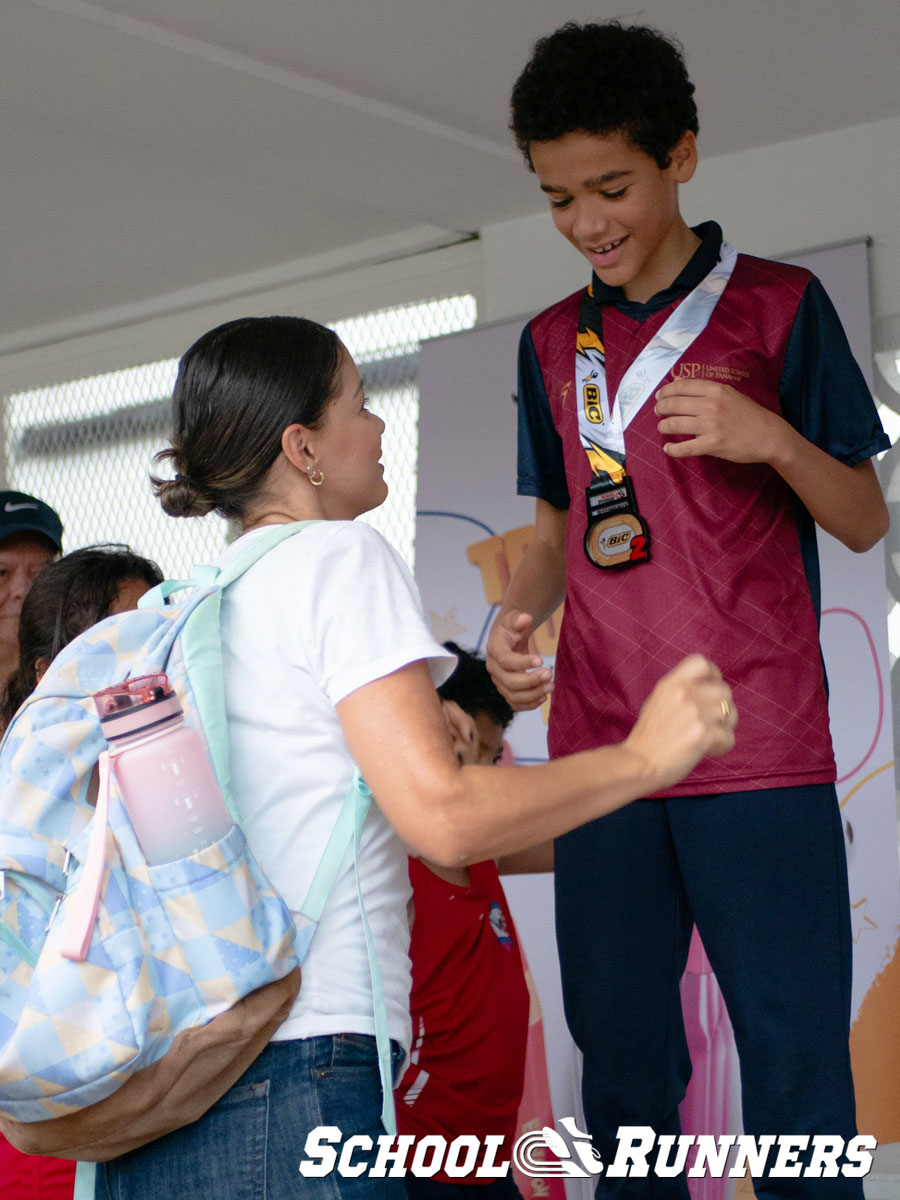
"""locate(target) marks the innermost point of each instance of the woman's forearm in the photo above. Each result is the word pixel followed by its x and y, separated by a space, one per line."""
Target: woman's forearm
pixel 453 815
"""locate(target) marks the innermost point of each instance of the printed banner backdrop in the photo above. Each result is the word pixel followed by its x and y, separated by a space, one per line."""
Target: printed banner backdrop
pixel 472 529
pixel 854 643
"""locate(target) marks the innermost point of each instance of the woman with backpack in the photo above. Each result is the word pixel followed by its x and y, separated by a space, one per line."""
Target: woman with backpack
pixel 328 664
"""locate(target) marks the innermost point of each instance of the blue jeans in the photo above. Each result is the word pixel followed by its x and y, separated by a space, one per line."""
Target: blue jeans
pixel 250 1144
pixel 436 1189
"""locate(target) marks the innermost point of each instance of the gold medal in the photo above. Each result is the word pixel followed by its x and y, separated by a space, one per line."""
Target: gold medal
pixel 617 535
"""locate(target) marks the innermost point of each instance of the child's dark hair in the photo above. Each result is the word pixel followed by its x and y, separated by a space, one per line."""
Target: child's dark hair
pixel 609 78
pixel 239 386
pixel 67 597
pixel 472 688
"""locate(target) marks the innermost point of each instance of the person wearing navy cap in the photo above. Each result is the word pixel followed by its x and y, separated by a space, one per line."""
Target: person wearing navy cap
pixel 30 537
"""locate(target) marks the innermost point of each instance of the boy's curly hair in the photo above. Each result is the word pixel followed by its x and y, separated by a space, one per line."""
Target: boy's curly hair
pixel 472 688
pixel 608 78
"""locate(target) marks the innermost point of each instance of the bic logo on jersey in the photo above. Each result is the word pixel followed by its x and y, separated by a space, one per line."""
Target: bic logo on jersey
pixel 546 1154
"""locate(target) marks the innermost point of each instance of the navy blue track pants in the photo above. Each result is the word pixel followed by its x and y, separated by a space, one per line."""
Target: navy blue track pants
pixel 763 875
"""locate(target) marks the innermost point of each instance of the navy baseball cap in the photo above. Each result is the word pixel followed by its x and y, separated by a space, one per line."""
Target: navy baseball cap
pixel 21 513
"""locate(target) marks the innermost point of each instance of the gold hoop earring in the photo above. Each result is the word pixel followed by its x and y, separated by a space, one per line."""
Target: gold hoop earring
pixel 312 477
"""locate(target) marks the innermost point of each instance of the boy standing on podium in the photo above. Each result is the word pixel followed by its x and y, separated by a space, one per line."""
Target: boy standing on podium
pixel 684 423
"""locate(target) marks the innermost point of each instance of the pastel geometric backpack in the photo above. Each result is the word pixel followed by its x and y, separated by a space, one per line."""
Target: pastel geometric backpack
pixel 180 972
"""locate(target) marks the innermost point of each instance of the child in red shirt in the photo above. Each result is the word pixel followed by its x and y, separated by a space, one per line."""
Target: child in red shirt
pixel 469 1000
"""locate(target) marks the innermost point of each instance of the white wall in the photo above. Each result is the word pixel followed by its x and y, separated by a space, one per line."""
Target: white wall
pixel 772 201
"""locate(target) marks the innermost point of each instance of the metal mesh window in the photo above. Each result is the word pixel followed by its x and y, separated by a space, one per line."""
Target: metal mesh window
pixel 86 446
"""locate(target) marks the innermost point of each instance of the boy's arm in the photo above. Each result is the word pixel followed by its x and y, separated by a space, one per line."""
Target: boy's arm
pixel 535 592
pixel 846 501
pixel 828 425
pixel 463 732
pixel 534 860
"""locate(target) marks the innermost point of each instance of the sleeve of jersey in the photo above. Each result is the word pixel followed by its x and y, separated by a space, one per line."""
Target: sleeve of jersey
pixel 541 471
pixel 823 392
pixel 366 616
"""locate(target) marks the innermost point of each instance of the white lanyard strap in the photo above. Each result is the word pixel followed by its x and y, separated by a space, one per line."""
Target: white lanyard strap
pixel 601 427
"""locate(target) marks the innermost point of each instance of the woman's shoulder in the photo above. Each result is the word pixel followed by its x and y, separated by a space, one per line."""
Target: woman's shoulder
pixel 327 567
pixel 347 533
pixel 330 562
pixel 317 538
pixel 344 547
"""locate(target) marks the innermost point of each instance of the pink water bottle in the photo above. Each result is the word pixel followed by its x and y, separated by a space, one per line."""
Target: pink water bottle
pixel 164 776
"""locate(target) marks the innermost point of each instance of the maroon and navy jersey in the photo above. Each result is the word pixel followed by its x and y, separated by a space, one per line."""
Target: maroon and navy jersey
pixel 733 571
pixel 469 1007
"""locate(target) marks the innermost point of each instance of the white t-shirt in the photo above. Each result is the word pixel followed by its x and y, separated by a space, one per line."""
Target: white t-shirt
pixel 322 614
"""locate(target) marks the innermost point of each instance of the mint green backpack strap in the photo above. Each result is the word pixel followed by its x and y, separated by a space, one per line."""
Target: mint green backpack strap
pixel 348 829
pixel 205 575
pixel 339 842
pixel 201 649
pixel 382 1037
pixel 256 548
pixel 85 1181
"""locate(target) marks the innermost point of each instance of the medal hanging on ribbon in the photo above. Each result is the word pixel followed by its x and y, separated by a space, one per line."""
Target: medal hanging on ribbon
pixel 617 535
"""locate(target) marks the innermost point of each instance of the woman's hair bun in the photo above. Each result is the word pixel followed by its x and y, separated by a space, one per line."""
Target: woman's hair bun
pixel 181 497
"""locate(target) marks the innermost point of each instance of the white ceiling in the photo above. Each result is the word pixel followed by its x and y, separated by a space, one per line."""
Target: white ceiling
pixel 150 146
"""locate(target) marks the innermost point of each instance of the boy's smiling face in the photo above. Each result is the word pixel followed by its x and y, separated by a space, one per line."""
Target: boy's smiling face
pixel 618 207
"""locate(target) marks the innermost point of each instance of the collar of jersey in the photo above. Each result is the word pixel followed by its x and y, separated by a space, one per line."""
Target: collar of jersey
pixel 698 267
